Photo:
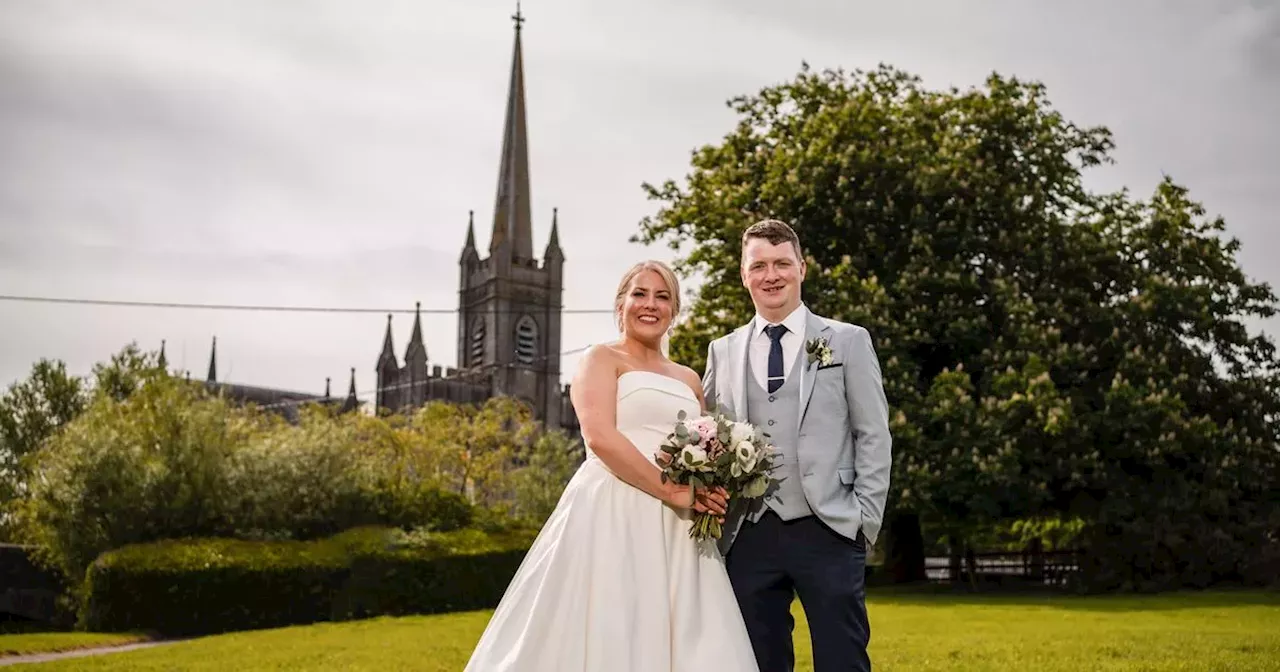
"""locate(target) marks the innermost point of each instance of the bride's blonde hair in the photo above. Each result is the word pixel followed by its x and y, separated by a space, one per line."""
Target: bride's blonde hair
pixel 664 271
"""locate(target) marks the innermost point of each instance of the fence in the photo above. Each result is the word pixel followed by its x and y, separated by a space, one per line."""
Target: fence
pixel 1047 568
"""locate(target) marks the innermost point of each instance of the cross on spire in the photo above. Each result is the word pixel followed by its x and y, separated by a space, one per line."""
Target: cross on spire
pixel 512 228
pixel 518 17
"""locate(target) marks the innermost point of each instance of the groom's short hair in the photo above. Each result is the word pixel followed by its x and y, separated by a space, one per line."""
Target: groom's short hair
pixel 776 232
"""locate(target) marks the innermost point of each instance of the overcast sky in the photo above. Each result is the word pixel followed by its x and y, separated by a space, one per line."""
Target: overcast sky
pixel 327 153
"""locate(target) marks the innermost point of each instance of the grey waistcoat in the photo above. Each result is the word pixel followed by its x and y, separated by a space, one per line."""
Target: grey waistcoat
pixel 777 415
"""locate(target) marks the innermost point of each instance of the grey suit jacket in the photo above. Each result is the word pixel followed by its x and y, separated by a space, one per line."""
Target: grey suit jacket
pixel 844 447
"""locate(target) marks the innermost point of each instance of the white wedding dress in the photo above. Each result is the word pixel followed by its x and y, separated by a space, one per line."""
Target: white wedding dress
pixel 614 583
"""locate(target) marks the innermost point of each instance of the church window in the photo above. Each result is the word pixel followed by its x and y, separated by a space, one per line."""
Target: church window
pixel 476 351
pixel 526 341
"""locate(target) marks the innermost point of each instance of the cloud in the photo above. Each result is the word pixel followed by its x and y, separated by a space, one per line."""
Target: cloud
pixel 328 152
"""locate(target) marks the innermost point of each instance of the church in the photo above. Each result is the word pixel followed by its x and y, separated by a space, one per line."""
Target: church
pixel 509 308
pixel 509 302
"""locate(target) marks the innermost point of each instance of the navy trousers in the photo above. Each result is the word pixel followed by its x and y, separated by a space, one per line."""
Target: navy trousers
pixel 772 561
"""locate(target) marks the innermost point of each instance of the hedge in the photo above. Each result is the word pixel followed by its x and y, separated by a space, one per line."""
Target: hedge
pixel 461 571
pixel 207 586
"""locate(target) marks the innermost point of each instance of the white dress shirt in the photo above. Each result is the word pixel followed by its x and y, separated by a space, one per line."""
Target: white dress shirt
pixel 792 340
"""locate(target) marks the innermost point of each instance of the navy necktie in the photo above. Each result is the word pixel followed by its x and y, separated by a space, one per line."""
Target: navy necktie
pixel 775 332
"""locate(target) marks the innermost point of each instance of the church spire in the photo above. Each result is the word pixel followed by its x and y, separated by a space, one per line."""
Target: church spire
pixel 511 219
pixel 351 403
pixel 416 353
pixel 469 254
pixel 213 362
pixel 553 250
pixel 387 358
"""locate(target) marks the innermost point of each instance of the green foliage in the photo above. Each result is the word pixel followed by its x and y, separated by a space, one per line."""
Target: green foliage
pixel 543 472
pixel 1046 351
pixel 150 467
pixel 31 411
pixel 435 572
pixel 182 588
pixel 202 586
pixel 480 446
pixel 329 473
pixel 127 372
pixel 165 459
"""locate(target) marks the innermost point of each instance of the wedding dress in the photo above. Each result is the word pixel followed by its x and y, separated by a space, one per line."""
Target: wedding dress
pixel 613 581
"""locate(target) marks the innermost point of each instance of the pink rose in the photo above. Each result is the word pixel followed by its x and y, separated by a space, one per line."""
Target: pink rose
pixel 706 428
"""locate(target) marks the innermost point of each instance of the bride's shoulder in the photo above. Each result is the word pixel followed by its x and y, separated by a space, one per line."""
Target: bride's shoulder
pixel 600 357
pixel 688 376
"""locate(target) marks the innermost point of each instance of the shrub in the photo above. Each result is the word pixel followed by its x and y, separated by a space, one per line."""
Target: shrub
pixel 545 468
pixel 172 462
pixel 434 572
pixel 211 585
pixel 147 468
pixel 204 586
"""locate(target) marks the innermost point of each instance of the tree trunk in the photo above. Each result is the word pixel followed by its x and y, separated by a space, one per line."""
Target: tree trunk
pixel 904 556
pixel 971 563
pixel 956 561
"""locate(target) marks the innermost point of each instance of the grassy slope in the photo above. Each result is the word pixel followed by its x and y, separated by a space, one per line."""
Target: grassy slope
pixel 47 642
pixel 1211 631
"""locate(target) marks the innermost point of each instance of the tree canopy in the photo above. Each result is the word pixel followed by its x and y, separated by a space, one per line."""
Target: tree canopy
pixel 1047 351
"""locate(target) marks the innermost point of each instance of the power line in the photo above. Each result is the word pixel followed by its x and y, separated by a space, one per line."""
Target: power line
pixel 458 374
pixel 258 308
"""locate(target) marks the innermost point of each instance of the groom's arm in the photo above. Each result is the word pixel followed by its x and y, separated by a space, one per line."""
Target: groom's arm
pixel 869 412
pixel 710 400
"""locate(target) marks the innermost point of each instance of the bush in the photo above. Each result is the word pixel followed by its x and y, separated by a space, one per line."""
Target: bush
pixel 434 573
pixel 545 468
pixel 148 468
pixel 205 586
pixel 327 474
pixel 173 462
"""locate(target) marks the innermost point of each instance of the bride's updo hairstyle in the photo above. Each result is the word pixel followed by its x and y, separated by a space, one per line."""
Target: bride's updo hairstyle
pixel 664 271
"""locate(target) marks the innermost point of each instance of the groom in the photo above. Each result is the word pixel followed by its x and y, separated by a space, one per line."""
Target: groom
pixel 813 385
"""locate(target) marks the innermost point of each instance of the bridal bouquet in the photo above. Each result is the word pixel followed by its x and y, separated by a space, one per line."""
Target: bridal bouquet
pixel 713 451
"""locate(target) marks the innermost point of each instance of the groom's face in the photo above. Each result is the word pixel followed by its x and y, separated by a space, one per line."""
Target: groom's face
pixel 773 274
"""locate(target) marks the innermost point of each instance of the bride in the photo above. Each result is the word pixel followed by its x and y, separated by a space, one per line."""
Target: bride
pixel 613 581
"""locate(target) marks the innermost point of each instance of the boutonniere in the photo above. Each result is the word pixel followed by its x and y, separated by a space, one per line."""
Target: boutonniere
pixel 819 351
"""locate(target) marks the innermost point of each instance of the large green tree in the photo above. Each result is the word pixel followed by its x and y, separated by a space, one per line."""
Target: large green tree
pixel 1047 351
pixel 32 410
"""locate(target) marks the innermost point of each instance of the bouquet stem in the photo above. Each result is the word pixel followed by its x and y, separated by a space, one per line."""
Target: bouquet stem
pixel 705 526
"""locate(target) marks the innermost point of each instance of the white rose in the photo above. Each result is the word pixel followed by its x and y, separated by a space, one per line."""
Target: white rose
pixel 739 432
pixel 693 456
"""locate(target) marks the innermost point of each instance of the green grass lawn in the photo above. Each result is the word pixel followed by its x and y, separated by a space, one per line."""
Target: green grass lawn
pixel 910 631
pixel 45 642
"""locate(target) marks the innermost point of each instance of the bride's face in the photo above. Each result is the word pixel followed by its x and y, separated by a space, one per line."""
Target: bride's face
pixel 647 308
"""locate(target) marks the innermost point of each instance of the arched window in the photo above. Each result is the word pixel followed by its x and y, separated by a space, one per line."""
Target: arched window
pixel 476 350
pixel 526 341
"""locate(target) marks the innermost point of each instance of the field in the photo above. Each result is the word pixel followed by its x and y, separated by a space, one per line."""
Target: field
pixel 39 642
pixel 911 631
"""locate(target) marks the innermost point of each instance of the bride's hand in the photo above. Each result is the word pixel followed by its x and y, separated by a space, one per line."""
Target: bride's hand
pixel 678 496
pixel 714 501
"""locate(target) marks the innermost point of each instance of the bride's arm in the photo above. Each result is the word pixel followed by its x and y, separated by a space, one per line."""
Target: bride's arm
pixel 594 393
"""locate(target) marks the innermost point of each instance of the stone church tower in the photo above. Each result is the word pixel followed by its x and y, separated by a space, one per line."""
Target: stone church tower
pixel 509 302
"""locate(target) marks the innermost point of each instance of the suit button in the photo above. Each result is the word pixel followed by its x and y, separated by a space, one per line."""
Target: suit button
pixel 770 423
pixel 772 398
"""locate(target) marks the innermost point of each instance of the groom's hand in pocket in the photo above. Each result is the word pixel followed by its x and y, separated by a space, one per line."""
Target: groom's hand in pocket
pixel 714 501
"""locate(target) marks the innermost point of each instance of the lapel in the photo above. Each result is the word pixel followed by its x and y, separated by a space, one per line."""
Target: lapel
pixel 814 327
pixel 738 343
